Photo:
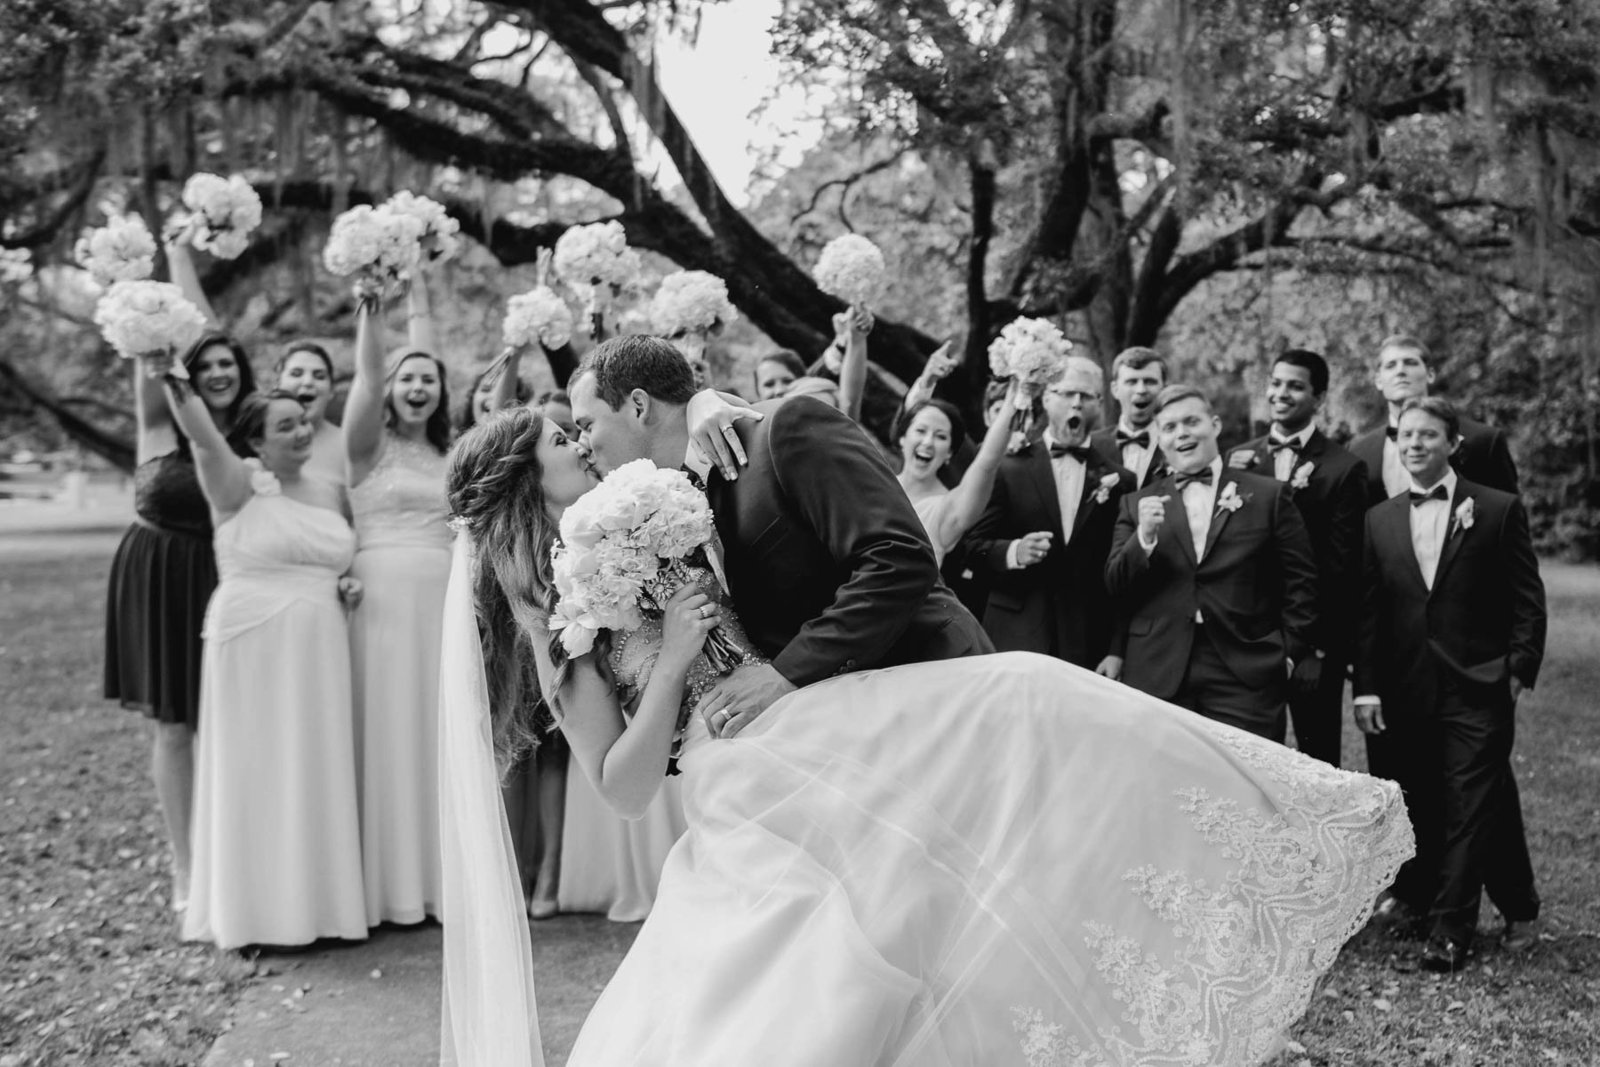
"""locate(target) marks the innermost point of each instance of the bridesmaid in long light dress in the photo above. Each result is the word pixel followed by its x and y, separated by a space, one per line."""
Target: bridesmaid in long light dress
pixel 276 856
pixel 396 433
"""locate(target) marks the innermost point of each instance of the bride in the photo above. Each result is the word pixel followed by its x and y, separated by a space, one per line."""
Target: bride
pixel 1000 860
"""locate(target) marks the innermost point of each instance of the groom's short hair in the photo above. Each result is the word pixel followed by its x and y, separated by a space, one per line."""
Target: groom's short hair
pixel 637 361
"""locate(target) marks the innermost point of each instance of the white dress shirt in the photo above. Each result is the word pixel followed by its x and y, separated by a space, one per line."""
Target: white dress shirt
pixel 1284 461
pixel 1430 521
pixel 1138 459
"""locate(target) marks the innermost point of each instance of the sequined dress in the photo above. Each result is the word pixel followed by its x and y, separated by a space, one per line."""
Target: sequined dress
pixel 403 563
pixel 1003 860
pixel 161 580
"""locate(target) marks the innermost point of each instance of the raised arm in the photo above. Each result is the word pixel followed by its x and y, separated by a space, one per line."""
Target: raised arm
pixel 939 364
pixel 505 385
pixel 853 372
pixel 972 495
pixel 421 332
pixel 181 265
pixel 363 410
pixel 224 478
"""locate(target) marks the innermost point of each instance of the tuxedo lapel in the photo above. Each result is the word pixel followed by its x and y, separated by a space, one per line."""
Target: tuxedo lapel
pixel 1093 471
pixel 1394 525
pixel 1044 483
pixel 1175 524
pixel 1219 515
pixel 1455 531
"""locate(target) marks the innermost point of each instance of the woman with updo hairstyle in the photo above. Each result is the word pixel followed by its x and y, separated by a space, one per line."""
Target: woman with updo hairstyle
pixel 275 831
pixel 930 433
pixel 162 577
pixel 396 434
pixel 306 370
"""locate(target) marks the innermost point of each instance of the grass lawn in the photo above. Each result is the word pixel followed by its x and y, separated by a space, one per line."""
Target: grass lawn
pixel 91 971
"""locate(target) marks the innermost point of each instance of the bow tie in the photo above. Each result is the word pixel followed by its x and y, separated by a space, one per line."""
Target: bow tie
pixel 1436 493
pixel 1204 476
pixel 1278 444
pixel 1077 452
pixel 1142 439
pixel 1393 432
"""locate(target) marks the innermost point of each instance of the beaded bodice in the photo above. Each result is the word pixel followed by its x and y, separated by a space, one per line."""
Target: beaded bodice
pixel 402 501
pixel 633 656
pixel 166 493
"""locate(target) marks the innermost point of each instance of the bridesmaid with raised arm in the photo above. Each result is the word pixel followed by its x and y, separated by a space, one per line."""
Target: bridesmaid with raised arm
pixel 396 434
pixel 275 835
pixel 163 574
pixel 930 433
pixel 306 370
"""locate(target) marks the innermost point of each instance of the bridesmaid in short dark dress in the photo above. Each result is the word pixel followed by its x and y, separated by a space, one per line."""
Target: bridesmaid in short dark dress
pixel 161 580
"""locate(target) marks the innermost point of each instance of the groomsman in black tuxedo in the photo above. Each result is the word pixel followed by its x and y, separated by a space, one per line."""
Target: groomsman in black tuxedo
pixel 1403 373
pixel 1329 488
pixel 1212 573
pixel 1452 633
pixel 1044 537
pixel 1137 376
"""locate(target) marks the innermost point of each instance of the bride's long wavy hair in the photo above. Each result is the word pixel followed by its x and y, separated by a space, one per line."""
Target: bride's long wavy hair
pixel 495 487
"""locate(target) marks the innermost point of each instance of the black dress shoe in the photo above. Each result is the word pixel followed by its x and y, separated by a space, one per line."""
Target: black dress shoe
pixel 1521 936
pixel 1399 919
pixel 1444 955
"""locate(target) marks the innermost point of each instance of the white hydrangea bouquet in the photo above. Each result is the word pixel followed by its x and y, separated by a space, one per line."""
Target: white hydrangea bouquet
pixel 120 251
pixel 537 315
pixel 627 546
pixel 1034 353
pixel 688 308
pixel 148 320
pixel 595 261
pixel 440 238
pixel 222 214
pixel 378 245
pixel 852 269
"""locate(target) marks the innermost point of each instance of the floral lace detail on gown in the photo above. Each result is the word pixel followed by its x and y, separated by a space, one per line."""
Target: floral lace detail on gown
pixel 1255 942
pixel 633 656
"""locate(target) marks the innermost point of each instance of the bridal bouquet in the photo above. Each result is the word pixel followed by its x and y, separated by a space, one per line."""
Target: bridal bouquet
pixel 143 318
pixel 1034 352
pixel 626 549
pixel 440 233
pixel 537 315
pixel 222 213
pixel 380 245
pixel 16 265
pixel 851 268
pixel 691 302
pixel 120 251
pixel 596 256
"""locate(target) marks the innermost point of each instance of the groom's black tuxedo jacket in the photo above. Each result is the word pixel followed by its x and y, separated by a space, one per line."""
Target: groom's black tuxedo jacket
pixel 1481 624
pixel 1059 606
pixel 1484 457
pixel 1334 504
pixel 825 556
pixel 1255 587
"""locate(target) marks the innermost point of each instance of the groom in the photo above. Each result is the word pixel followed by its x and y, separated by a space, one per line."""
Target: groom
pixel 826 561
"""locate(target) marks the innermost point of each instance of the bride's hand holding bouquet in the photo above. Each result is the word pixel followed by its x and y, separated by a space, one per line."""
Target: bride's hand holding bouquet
pixel 687 621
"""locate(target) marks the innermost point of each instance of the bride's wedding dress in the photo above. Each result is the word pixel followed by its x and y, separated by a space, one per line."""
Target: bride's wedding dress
pixel 1003 860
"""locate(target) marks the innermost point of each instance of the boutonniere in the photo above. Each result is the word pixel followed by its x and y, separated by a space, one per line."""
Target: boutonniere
pixel 1243 460
pixel 1302 475
pixel 1102 492
pixel 262 481
pixel 1229 499
pixel 1464 514
pixel 1017 444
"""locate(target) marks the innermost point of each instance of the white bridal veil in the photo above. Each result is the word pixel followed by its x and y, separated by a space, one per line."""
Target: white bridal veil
pixel 489 1017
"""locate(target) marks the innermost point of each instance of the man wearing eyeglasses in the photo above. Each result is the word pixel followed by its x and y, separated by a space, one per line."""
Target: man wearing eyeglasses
pixel 1047 531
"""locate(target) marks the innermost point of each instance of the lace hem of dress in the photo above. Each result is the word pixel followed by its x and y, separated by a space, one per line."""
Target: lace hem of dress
pixel 1255 946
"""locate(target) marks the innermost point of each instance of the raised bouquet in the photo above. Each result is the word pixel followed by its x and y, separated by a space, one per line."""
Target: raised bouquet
pixel 120 251
pixel 379 245
pixel 16 265
pixel 440 239
pixel 627 546
pixel 144 320
pixel 222 213
pixel 852 269
pixel 537 315
pixel 596 262
pixel 1034 353
pixel 691 302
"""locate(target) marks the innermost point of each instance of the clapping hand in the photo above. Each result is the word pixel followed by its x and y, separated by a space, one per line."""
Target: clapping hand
pixel 736 701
